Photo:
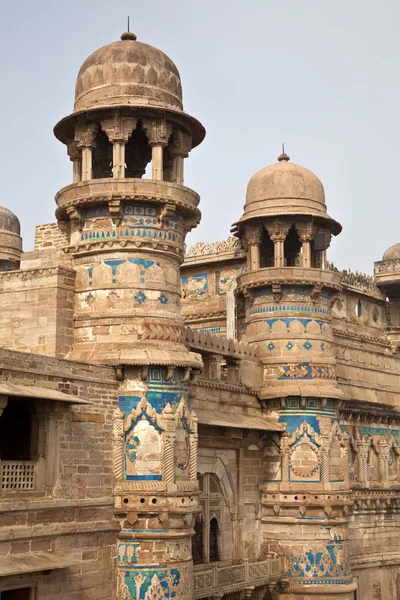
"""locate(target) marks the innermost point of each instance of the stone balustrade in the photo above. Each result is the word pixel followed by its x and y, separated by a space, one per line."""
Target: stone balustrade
pixel 217 579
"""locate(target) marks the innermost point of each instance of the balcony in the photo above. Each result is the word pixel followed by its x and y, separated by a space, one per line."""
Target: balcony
pixel 289 275
pixel 219 579
pixel 97 191
pixel 18 475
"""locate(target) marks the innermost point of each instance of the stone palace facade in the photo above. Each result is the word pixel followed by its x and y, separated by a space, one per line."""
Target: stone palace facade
pixel 223 424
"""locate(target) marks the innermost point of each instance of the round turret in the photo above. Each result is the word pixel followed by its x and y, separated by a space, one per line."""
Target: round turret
pixel 10 240
pixel 285 188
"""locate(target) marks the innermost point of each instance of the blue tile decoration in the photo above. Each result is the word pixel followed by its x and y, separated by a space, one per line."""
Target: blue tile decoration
pixel 304 322
pixel 154 582
pixel 306 371
pixel 114 264
pixel 271 346
pixel 323 346
pixel 140 297
pixel 194 286
pixel 289 345
pixel 212 329
pixel 307 345
pixel 329 564
pixel 163 299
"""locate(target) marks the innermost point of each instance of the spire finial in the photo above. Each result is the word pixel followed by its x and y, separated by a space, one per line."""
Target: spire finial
pixel 283 156
pixel 128 35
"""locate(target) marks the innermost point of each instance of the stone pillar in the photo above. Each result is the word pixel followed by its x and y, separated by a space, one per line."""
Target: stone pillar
pixel 278 234
pixel 75 156
pixel 119 130
pixel 362 445
pixel 344 454
pixel 158 133
pixel 285 447
pixel 85 136
pixel 253 239
pixel 306 241
pixel 383 464
pixel 180 146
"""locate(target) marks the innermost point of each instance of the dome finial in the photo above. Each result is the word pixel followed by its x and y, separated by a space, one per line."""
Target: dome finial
pixel 283 156
pixel 128 35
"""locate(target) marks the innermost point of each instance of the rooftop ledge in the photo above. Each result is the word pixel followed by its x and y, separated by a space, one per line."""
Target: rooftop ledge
pixel 289 275
pixel 97 191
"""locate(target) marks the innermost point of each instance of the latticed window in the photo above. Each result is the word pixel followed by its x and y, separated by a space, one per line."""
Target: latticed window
pixel 206 543
pixel 214 540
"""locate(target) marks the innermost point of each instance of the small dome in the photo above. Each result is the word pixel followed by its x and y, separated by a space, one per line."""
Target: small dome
pixel 392 252
pixel 9 222
pixel 285 188
pixel 10 240
pixel 128 73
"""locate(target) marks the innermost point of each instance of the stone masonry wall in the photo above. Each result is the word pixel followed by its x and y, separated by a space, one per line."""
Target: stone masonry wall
pixel 72 515
pixel 36 310
pixel 50 236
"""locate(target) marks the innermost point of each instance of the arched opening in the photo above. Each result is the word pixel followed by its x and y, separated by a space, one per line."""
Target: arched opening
pixel 358 309
pixel 214 540
pixel 267 250
pixel 102 156
pixel 137 154
pixel 198 543
pixel 292 247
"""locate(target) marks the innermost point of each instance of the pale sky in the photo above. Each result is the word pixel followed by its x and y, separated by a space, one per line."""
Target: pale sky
pixel 323 77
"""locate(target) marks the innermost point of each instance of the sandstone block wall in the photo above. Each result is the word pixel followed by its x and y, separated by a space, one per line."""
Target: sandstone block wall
pixel 36 310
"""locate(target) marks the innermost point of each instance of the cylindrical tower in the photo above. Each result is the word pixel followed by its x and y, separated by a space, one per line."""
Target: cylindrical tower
pixel 127 213
pixel 10 240
pixel 288 292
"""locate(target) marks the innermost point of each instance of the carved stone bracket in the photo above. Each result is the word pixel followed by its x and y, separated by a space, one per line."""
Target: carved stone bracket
pixel 76 217
pixel 119 129
pixel 157 131
pixel 85 135
pixel 116 212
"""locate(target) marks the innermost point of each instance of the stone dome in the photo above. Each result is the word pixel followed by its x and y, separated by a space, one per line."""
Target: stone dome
pixel 9 222
pixel 128 73
pixel 10 240
pixel 285 188
pixel 392 252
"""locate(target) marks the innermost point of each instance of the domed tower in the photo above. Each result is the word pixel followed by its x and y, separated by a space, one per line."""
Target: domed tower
pixel 288 292
pixel 127 229
pixel 10 240
pixel 387 277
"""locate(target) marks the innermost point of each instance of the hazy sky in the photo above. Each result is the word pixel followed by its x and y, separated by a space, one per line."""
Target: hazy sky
pixel 321 76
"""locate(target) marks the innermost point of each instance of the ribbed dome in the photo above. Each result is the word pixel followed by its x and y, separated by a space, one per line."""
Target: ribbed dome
pixel 8 221
pixel 128 73
pixel 285 188
pixel 392 252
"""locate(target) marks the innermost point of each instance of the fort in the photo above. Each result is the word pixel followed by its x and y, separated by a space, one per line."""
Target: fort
pixel 214 422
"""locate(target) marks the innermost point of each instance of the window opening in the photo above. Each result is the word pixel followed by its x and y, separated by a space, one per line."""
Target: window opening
pixel 137 154
pixel 17 424
pixel 358 308
pixel 214 538
pixel 102 157
pixel 267 250
pixel 292 247
pixel 198 543
pixel 20 594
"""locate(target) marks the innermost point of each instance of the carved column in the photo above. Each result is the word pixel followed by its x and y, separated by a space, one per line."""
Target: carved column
pixel 383 464
pixel 85 136
pixel 362 460
pixel 278 234
pixel 118 434
pixel 168 437
pixel 119 130
pixel 344 455
pixel 75 156
pixel 325 452
pixel 180 146
pixel 285 457
pixel 158 133
pixel 194 438
pixel 306 239
pixel 253 239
